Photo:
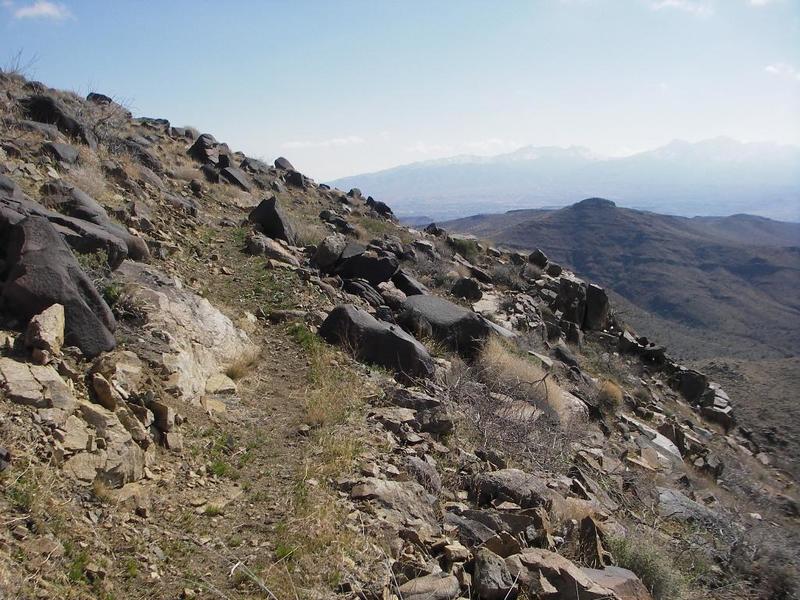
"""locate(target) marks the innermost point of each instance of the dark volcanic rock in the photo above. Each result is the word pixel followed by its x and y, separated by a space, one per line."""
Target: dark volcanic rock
pixel 467 288
pixel 65 153
pixel 376 341
pixel 596 308
pixel 572 299
pixel 273 221
pixel 41 272
pixel 46 109
pixel 237 178
pixel 369 266
pixel 284 164
pixel 538 258
pixel 461 329
pixel 408 284
pixel 204 149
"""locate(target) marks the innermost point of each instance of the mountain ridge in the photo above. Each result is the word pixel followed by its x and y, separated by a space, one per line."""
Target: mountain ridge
pixel 719 176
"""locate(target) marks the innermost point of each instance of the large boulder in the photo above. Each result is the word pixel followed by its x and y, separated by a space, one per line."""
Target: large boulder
pixel 273 220
pixel 375 269
pixel 624 583
pixel 408 284
pixel 205 149
pixel 376 341
pixel 550 575
pixel 511 484
pixel 596 308
pixel 282 163
pixel 329 250
pixel 461 329
pixel 572 299
pixel 47 109
pixel 493 580
pixel 41 272
pixel 467 288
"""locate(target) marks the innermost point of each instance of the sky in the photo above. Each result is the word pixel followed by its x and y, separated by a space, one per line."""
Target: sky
pixel 350 86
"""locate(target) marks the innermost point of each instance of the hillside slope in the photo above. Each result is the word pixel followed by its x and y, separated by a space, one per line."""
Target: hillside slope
pixel 220 379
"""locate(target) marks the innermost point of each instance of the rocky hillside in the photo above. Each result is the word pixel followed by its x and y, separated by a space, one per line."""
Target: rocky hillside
pixel 219 379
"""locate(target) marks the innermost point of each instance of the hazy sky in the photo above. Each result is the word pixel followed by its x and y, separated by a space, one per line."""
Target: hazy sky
pixel 341 87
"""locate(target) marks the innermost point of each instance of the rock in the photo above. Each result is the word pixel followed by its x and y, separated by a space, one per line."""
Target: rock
pixel 259 244
pixel 74 435
pixel 408 285
pixel 220 384
pixel 42 271
pixel 553 269
pixel 461 329
pixel 362 289
pixel 551 575
pixel 105 394
pixel 596 308
pixel 375 269
pixel 273 221
pixel 467 288
pixel 45 331
pixel 571 299
pixel 538 258
pixel 425 474
pixel 624 583
pixel 34 385
pixel 164 415
pixel 438 586
pixel 65 153
pixel 690 383
pixel 204 149
pixel 376 341
pixel 492 579
pixel 237 177
pixel 47 109
pixel 195 340
pixel 510 484
pixel 672 504
pixel 120 461
pixel 565 355
pixel 399 502
pixel 282 163
pixel 329 251
pixel 122 367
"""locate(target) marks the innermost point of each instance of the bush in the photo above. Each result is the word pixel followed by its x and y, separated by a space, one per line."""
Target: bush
pixel 467 248
pixel 609 398
pixel 650 563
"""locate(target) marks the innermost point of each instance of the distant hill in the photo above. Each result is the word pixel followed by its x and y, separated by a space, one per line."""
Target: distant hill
pixel 730 285
pixel 720 176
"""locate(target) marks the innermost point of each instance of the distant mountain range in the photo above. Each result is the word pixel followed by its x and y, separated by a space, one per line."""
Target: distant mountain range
pixel 720 176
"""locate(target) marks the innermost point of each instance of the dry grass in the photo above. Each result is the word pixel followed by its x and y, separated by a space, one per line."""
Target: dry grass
pixel 242 365
pixel 187 173
pixel 310 233
pixel 609 398
pixel 500 363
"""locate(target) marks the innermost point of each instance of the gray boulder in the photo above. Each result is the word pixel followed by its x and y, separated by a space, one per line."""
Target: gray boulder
pixel 273 221
pixel 461 329
pixel 439 586
pixel 41 272
pixel 376 341
pixel 596 308
pixel 47 109
pixel 284 164
pixel 515 485
pixel 329 251
pixel 368 265
pixel 408 284
pixel 66 153
pixel 538 258
pixel 493 580
pixel 467 288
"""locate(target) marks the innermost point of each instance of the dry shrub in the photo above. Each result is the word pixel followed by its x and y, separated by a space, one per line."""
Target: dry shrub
pixel 645 557
pixel 242 365
pixel 609 398
pixel 187 173
pixel 309 233
pixel 506 404
pixel 507 275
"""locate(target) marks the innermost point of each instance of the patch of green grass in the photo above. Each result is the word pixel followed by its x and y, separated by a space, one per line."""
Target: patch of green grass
pixel 465 247
pixel 220 468
pixel 212 510
pixel 284 551
pixel 304 337
pixel 22 492
pixel 76 568
pixel 131 568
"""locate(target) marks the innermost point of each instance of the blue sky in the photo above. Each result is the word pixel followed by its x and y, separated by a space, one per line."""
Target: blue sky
pixel 345 86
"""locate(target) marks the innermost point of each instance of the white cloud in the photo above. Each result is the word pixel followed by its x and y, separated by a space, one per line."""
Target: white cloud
pixel 349 140
pixel 425 148
pixel 760 2
pixel 701 8
pixel 784 70
pixel 41 9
